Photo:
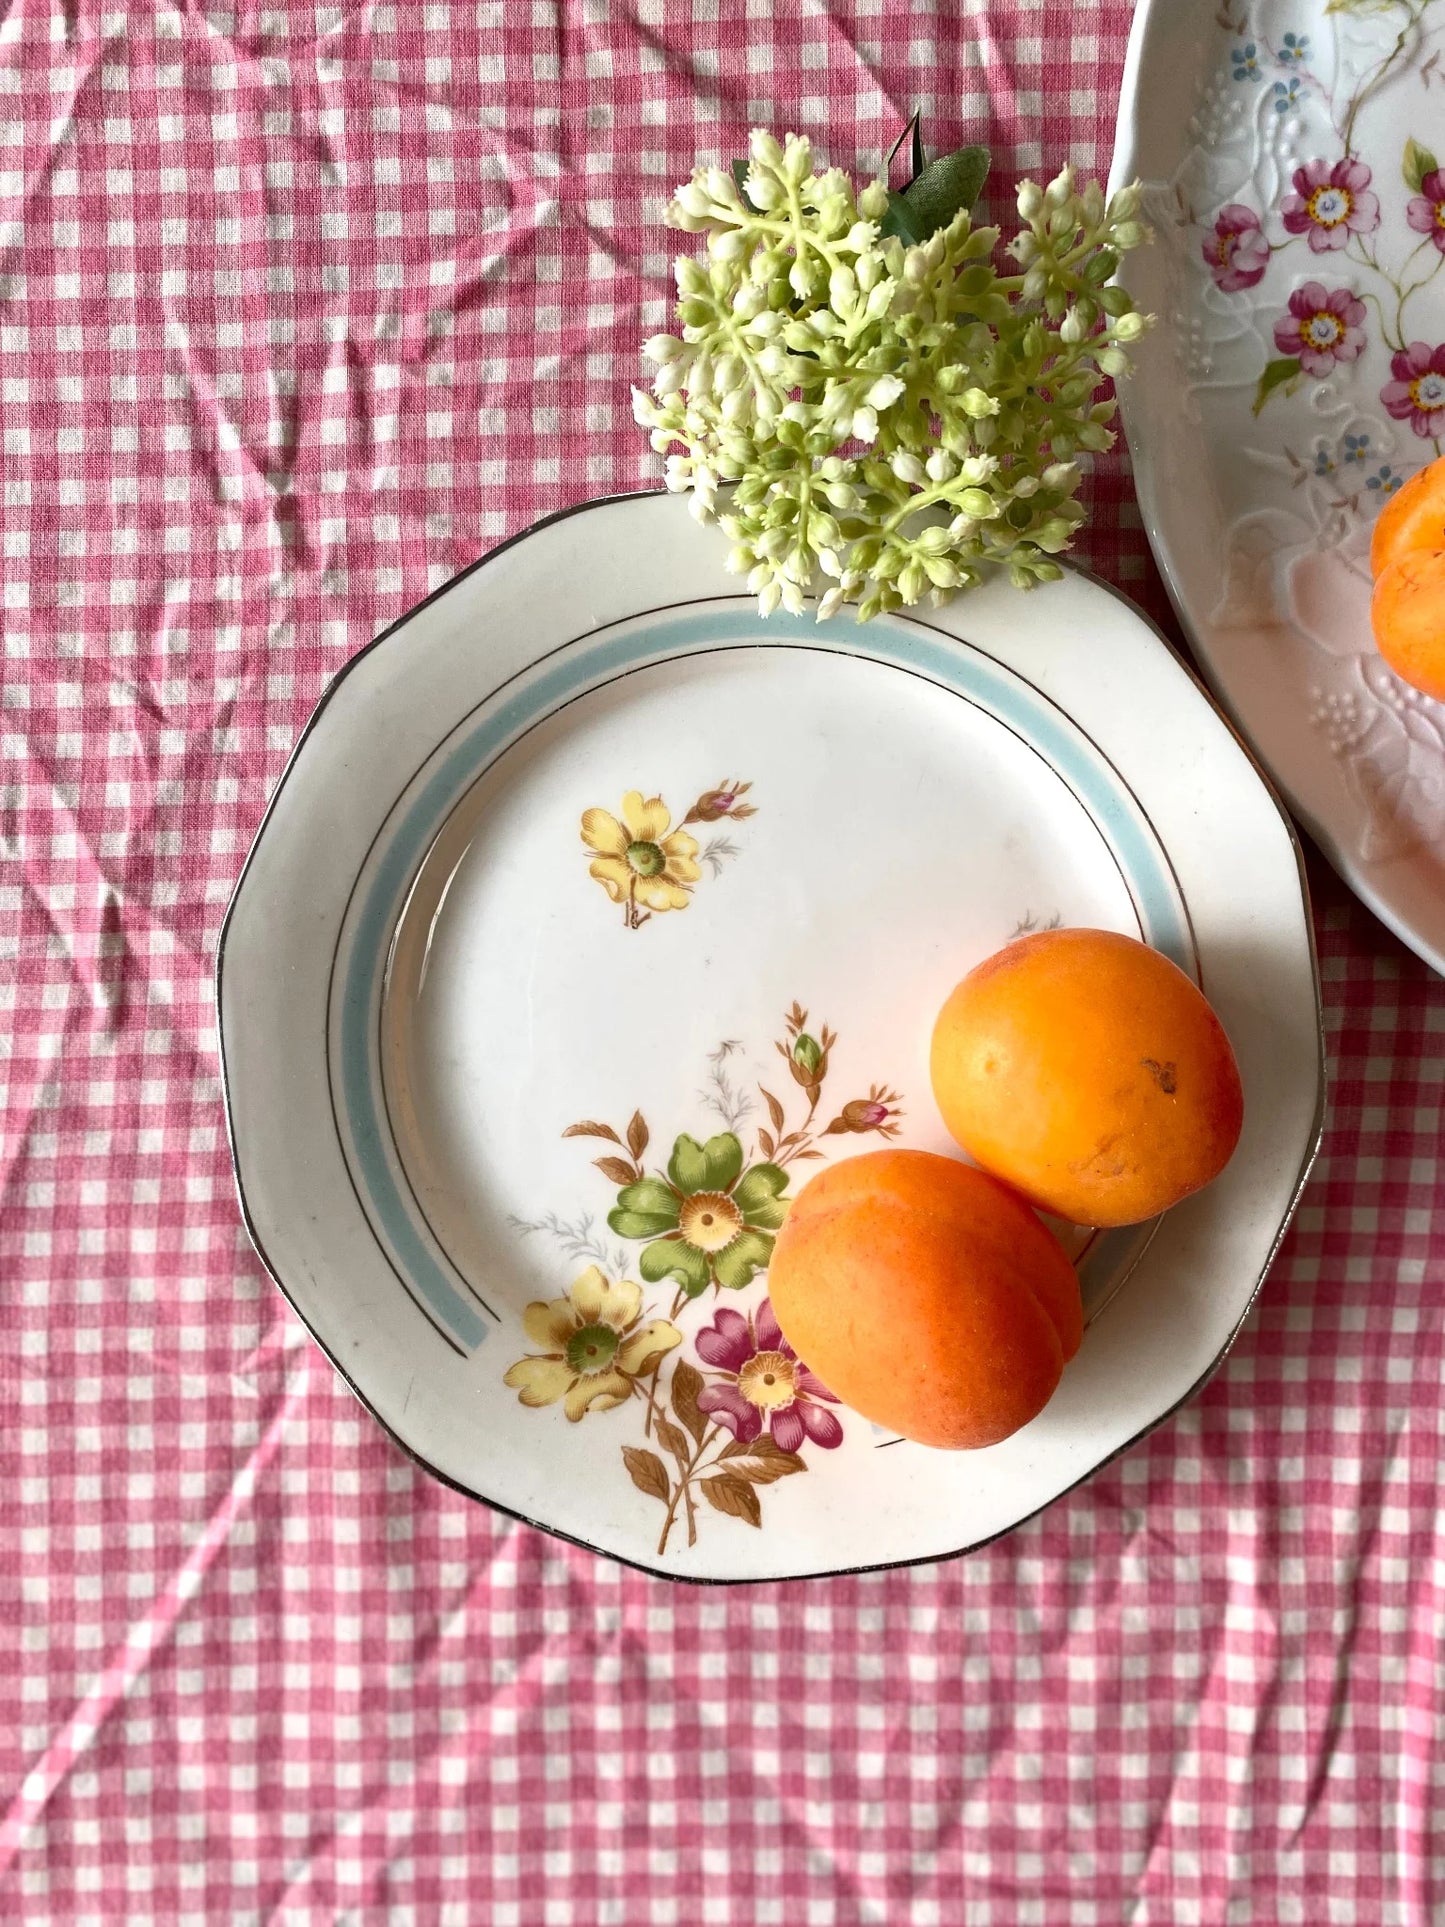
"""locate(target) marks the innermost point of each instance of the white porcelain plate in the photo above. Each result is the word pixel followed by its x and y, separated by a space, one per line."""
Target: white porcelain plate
pixel 1291 153
pixel 593 912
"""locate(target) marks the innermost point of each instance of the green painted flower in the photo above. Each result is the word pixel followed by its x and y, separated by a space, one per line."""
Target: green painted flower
pixel 709 1221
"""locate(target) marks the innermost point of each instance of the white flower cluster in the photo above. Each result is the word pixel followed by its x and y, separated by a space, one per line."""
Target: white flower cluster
pixel 882 416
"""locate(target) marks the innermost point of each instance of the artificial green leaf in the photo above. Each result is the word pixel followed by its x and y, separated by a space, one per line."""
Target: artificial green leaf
pixel 1418 162
pixel 946 187
pixel 899 221
pixel 740 175
pixel 913 134
pixel 1277 374
pixel 738 1264
pixel 713 1166
pixel 671 1258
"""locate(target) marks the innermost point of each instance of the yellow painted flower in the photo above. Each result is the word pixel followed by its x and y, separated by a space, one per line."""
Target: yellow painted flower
pixel 594 1346
pixel 638 863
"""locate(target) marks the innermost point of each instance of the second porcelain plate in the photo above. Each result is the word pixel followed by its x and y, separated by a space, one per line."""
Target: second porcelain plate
pixel 1291 154
pixel 594 913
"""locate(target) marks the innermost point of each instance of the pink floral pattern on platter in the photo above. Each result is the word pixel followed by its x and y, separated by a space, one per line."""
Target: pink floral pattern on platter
pixel 1238 253
pixel 1417 393
pixel 1324 326
pixel 1426 212
pixel 1333 207
pixel 758 1379
pixel 1330 203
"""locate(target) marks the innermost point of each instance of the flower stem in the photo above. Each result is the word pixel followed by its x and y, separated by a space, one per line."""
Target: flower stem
pixel 651 1411
pixel 1377 79
pixel 683 1491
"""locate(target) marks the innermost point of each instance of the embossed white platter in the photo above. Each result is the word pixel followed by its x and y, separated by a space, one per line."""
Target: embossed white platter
pixel 1295 379
pixel 593 913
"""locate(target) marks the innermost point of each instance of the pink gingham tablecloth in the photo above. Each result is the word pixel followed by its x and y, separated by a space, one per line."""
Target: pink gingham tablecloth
pixel 302 308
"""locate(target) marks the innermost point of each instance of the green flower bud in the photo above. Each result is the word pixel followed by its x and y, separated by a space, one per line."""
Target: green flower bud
pixel 731 244
pixel 797 161
pixel 978 504
pixel 977 403
pixel 764 148
pixel 764 190
pixel 873 201
pixel 1060 191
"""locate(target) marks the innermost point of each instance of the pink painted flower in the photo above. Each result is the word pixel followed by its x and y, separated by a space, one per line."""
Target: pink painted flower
pixel 1323 326
pixel 1426 213
pixel 759 1379
pixel 1417 394
pixel 1238 254
pixel 1331 203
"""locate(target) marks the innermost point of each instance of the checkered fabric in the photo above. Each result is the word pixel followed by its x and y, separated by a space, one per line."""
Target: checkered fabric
pixel 301 308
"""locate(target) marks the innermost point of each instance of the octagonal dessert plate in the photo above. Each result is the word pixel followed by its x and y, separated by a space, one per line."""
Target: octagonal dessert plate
pixel 593 914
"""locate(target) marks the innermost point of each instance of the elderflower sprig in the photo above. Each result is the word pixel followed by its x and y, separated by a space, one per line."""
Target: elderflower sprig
pixel 876 419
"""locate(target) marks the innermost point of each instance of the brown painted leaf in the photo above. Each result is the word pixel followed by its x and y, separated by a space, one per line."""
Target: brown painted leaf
pixel 764 1472
pixel 647 1471
pixel 674 1438
pixel 590 1128
pixel 766 1143
pixel 733 1496
pixel 618 1170
pixel 804 1155
pixel 775 1109
pixel 686 1388
pixel 637 1135
pixel 772 1462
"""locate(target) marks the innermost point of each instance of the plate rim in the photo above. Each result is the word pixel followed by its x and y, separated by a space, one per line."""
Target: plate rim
pixel 1330 838
pixel 705 1579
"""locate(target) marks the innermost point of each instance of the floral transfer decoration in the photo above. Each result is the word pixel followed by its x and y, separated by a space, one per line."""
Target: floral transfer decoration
pixel 710 1429
pixel 1310 205
pixel 1333 211
pixel 647 866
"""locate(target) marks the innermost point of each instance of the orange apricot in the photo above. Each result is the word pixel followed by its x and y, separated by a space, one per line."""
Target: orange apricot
pixel 1407 554
pixel 1088 1071
pixel 1408 614
pixel 927 1296
pixel 1413 518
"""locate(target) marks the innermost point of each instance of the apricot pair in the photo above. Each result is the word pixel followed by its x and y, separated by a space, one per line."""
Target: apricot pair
pixel 1090 1078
